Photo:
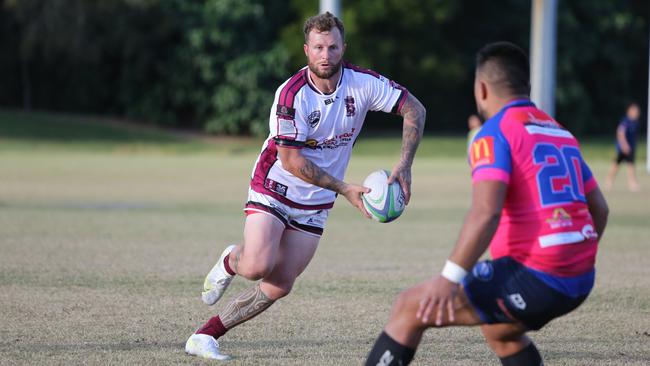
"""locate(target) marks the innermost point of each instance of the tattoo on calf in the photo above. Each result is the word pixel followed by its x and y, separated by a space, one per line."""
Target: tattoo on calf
pixel 245 306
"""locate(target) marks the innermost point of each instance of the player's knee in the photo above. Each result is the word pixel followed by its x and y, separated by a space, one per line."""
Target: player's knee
pixel 504 339
pixel 498 347
pixel 276 288
pixel 401 305
pixel 255 270
pixel 255 274
pixel 400 302
pixel 403 313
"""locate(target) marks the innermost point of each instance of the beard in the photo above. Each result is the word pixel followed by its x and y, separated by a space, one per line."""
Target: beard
pixel 326 74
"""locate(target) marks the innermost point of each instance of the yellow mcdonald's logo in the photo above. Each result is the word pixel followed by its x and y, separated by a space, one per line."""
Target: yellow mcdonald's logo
pixel 482 151
pixel 478 153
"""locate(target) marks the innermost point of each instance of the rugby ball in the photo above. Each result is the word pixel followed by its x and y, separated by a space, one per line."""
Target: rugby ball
pixel 385 202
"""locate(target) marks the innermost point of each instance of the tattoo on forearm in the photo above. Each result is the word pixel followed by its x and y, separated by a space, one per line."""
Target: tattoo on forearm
pixel 414 117
pixel 410 141
pixel 312 173
pixel 245 306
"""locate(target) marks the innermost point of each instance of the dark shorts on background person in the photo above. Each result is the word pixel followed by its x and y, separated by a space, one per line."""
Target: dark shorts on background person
pixel 628 158
pixel 504 291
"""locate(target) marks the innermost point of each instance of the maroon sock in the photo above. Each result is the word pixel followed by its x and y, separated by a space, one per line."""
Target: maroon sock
pixel 227 265
pixel 214 327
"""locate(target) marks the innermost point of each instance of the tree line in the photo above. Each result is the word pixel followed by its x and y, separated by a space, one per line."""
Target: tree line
pixel 215 64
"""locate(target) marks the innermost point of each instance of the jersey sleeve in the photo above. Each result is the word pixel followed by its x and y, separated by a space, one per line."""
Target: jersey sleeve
pixel 386 95
pixel 291 127
pixel 489 156
pixel 588 179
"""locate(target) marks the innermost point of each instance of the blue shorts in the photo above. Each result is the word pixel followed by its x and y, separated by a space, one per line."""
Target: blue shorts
pixel 504 291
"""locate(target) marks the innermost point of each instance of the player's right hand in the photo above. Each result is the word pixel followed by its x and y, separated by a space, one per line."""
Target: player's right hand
pixel 352 193
pixel 438 300
pixel 402 173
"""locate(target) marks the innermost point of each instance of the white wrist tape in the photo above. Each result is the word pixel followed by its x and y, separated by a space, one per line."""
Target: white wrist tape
pixel 453 272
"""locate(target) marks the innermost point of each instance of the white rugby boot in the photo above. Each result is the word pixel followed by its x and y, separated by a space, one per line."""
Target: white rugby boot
pixel 217 281
pixel 203 345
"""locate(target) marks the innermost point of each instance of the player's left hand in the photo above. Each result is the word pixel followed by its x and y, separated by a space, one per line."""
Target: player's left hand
pixel 440 294
pixel 353 194
pixel 402 173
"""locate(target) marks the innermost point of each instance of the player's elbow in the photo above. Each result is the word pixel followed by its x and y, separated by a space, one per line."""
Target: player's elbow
pixel 414 112
pixel 598 207
pixel 424 116
pixel 417 105
pixel 492 219
pixel 487 220
pixel 601 212
pixel 291 163
pixel 420 110
pixel 486 214
pixel 604 210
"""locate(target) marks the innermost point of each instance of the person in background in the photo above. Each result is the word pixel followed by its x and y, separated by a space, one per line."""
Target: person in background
pixel 474 124
pixel 626 147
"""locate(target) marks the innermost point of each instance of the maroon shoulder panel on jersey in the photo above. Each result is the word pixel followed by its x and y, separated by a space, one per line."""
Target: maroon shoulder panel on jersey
pixel 288 94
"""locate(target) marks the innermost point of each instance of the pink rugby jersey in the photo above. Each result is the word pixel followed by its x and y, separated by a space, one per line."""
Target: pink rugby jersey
pixel 323 126
pixel 545 223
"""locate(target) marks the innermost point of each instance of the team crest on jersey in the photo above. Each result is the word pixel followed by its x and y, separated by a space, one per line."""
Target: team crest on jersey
pixel 483 271
pixel 284 111
pixel 350 109
pixel 559 219
pixel 313 118
pixel 276 187
pixel 481 152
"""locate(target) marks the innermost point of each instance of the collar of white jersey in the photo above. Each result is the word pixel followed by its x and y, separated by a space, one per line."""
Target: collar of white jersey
pixel 315 88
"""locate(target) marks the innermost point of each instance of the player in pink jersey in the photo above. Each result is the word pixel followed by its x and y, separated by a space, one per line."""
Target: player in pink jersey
pixel 315 119
pixel 535 204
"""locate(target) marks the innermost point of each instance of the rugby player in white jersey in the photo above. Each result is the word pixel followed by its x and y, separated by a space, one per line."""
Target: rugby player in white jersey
pixel 315 119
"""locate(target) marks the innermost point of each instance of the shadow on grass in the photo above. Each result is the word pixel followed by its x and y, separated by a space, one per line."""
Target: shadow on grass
pixel 143 344
pixel 137 344
pixel 19 129
pixel 581 356
pixel 62 128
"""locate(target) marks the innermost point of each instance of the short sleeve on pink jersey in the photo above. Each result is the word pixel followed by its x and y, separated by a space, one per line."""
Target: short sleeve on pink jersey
pixel 588 178
pixel 489 154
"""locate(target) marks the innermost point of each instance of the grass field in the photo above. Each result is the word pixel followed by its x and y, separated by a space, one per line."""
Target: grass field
pixel 104 243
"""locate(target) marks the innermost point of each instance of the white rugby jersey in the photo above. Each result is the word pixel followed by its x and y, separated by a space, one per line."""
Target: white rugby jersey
pixel 324 126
